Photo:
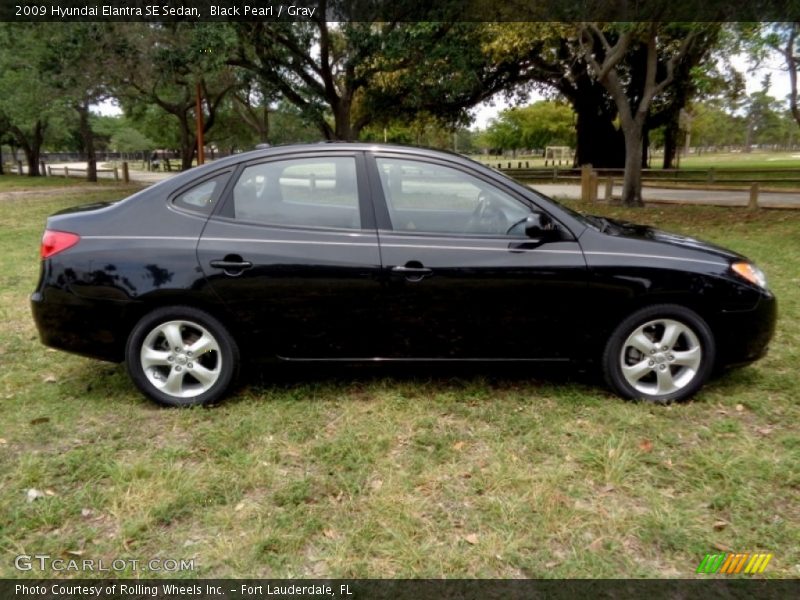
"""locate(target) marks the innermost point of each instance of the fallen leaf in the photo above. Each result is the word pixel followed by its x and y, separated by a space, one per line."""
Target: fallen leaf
pixel 645 445
pixel 86 512
pixel 471 538
pixel 612 452
pixel 739 407
pixel 722 547
pixel 74 552
pixel 239 506
pixel 720 525
pixel 188 543
pixel 596 545
pixel 329 533
pixel 34 494
pixel 40 420
pixel 376 484
pixel 3 441
pixel 606 489
pixel 551 564
pixel 49 492
pixel 50 378
pixel 759 430
pixel 458 445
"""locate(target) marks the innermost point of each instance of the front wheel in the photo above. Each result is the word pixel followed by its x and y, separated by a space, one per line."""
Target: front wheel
pixel 661 354
pixel 181 356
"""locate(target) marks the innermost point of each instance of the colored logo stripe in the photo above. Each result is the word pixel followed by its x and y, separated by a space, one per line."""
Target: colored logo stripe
pixel 734 563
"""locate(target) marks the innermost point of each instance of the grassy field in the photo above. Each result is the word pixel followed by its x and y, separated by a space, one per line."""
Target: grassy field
pixel 757 159
pixel 402 473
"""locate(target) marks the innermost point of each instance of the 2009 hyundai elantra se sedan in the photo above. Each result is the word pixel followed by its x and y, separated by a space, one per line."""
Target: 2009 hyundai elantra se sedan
pixel 361 252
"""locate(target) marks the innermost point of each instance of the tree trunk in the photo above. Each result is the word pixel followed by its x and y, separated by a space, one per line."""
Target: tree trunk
pixel 599 143
pixel 671 131
pixel 2 172
pixel 188 144
pixel 343 128
pixel 87 135
pixel 632 184
pixel 31 146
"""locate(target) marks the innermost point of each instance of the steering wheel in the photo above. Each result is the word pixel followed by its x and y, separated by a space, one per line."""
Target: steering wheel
pixel 487 218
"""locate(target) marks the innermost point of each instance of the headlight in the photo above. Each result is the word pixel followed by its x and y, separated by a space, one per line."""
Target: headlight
pixel 751 273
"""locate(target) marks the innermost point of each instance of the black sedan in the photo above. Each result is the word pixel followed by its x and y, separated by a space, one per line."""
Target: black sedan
pixel 361 252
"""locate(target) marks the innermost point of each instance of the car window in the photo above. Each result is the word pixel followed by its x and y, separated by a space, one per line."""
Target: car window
pixel 433 198
pixel 309 192
pixel 201 197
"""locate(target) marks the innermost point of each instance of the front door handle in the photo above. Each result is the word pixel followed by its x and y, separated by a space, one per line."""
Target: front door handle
pixel 413 271
pixel 232 264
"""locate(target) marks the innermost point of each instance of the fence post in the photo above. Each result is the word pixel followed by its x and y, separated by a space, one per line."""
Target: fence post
pixel 593 183
pixel 609 195
pixel 41 168
pixel 19 167
pixel 125 175
pixel 116 173
pixel 586 173
pixel 66 171
pixel 49 171
pixel 711 175
pixel 753 203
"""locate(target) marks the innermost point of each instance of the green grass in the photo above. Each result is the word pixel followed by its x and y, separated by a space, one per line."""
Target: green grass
pixel 13 183
pixel 404 473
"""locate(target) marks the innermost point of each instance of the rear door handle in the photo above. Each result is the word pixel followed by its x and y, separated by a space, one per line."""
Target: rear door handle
pixel 232 265
pixel 413 271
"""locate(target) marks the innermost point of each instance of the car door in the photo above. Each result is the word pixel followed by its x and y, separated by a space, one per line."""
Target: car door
pixel 293 253
pixel 462 280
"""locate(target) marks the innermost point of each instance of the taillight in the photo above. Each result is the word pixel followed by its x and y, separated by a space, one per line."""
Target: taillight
pixel 54 242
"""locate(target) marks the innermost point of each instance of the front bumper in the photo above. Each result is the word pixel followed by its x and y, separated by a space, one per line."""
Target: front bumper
pixel 744 336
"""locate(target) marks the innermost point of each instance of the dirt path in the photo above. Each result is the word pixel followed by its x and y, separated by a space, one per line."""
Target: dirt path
pixel 51 192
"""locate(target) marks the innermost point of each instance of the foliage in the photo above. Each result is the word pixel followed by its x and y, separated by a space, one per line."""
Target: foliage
pixel 544 123
pixel 160 68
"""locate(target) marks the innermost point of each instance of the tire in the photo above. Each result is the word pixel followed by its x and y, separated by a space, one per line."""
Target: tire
pixel 182 356
pixel 662 353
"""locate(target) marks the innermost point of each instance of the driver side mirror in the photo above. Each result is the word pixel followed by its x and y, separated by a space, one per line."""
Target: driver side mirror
pixel 541 226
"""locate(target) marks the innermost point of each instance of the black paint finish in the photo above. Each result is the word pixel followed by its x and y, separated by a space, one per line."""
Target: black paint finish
pixel 374 293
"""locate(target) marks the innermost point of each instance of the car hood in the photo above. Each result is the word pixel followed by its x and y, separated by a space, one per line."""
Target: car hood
pixel 626 229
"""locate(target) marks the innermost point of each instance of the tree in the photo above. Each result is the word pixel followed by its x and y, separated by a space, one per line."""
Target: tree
pixel 80 82
pixel 345 76
pixel 633 109
pixel 163 65
pixel 785 38
pixel 544 123
pixel 28 97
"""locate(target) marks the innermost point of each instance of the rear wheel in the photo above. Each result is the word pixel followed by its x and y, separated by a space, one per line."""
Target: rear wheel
pixel 661 354
pixel 181 356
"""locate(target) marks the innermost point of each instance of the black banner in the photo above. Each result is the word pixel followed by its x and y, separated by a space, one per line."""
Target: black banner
pixel 404 589
pixel 399 10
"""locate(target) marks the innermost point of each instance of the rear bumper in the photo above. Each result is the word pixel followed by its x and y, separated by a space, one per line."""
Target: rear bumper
pixel 744 336
pixel 87 327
